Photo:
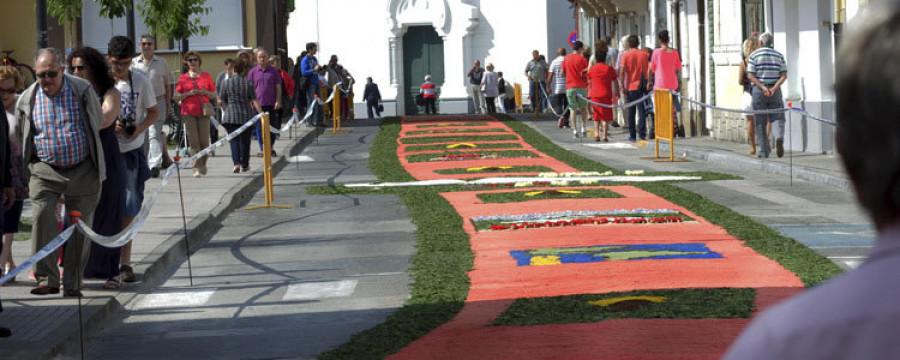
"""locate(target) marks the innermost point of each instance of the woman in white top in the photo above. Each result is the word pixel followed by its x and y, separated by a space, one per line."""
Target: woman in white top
pixel 489 84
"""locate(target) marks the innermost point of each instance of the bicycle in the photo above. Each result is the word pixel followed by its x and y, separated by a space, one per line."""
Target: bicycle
pixel 27 72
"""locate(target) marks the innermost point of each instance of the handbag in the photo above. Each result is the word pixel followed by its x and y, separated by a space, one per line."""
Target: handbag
pixel 380 108
pixel 208 109
pixel 420 100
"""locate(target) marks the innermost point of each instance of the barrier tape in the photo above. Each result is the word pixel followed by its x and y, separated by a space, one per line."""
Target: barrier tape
pixel 48 249
pixel 755 112
pixel 527 180
pixel 614 106
pixel 549 104
pixel 132 229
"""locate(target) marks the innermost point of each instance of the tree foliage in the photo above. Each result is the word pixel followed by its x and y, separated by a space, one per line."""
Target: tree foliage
pixel 175 19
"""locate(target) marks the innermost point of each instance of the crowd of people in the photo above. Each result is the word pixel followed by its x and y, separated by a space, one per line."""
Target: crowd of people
pixel 88 134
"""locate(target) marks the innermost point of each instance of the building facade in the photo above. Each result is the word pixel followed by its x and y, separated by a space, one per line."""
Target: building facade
pixel 709 34
pixel 397 42
pixel 233 25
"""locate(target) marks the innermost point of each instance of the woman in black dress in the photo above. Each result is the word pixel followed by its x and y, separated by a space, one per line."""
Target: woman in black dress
pixel 89 64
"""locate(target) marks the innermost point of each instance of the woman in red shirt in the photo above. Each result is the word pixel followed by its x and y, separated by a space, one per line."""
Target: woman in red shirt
pixel 602 84
pixel 194 89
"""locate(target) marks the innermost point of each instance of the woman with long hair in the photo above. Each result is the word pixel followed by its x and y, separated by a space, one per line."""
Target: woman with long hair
pixel 87 63
pixel 10 82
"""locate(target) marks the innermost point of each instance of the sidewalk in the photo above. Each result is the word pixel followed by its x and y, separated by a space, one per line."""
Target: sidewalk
pixel 44 326
pixel 824 169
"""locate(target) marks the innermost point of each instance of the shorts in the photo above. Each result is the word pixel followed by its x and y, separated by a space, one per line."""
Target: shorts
pixel 136 173
pixel 575 102
pixel 747 101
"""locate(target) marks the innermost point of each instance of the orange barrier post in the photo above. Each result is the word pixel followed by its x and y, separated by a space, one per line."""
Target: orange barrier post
pixel 664 125
pixel 268 185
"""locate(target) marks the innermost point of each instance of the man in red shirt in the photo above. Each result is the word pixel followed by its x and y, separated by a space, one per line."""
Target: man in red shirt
pixel 633 68
pixel 575 67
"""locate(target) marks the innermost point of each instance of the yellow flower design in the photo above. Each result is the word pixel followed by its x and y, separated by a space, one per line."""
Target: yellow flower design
pixel 482 168
pixel 608 302
pixel 545 260
pixel 468 145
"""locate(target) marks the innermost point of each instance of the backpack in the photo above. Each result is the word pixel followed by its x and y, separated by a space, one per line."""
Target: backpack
pixel 301 82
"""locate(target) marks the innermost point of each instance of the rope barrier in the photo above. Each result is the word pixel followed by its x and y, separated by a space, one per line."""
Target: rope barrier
pixel 124 236
pixel 800 111
pixel 615 106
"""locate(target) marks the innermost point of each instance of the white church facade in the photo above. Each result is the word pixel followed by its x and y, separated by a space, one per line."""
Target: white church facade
pixel 397 42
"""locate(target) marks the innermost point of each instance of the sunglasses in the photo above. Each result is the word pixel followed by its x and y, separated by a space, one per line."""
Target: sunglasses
pixel 146 44
pixel 193 59
pixel 77 68
pixel 47 74
pixel 9 91
pixel 121 62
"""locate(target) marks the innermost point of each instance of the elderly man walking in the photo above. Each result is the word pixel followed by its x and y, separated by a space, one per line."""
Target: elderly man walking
pixel 767 70
pixel 536 72
pixel 267 81
pixel 60 117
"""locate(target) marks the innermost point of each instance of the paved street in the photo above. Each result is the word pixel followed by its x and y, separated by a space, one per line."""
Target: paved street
pixel 292 283
pixel 276 283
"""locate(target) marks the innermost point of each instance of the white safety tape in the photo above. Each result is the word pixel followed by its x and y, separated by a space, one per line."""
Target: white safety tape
pixel 549 104
pixel 214 121
pixel 309 112
pixel 512 180
pixel 48 249
pixel 222 141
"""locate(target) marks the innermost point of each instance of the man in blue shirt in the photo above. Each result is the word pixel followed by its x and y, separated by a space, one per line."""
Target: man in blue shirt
pixel 310 67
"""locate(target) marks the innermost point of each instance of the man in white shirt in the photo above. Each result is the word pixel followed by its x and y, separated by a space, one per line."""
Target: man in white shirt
pixel 139 112
pixel 556 77
pixel 855 315
pixel 157 69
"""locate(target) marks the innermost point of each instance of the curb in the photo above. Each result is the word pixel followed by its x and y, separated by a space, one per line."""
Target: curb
pixel 774 167
pixel 158 263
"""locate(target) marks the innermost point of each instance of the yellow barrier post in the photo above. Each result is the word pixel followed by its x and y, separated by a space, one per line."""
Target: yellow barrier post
pixel 518 96
pixel 336 112
pixel 268 185
pixel 664 125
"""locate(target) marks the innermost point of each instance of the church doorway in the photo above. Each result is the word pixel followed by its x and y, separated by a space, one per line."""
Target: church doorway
pixel 423 54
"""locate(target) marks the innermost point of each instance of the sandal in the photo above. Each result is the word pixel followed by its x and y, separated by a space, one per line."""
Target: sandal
pixel 114 283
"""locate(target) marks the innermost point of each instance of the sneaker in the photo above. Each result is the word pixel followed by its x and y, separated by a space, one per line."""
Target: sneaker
pixel 779 147
pixel 614 124
pixel 126 273
pixel 246 169
pixel 575 133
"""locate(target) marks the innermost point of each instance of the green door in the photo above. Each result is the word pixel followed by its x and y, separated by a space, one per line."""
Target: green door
pixel 423 54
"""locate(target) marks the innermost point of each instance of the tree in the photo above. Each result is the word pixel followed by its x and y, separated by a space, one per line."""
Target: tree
pixel 66 11
pixel 175 19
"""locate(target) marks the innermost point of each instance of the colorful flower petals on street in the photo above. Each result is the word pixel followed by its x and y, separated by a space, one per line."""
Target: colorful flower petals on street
pixel 634 172
pixel 602 253
pixel 597 220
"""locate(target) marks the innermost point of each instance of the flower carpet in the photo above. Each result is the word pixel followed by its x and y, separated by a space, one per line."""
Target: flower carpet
pixel 581 271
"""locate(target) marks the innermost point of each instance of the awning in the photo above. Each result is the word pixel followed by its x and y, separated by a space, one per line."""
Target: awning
pixel 602 8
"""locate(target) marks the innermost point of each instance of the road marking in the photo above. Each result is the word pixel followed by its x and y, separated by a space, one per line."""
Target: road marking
pixel 174 299
pixel 320 290
pixel 300 158
pixel 611 146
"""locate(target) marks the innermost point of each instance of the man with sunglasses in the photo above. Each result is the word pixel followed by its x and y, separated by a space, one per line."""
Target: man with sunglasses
pixel 157 69
pixel 60 117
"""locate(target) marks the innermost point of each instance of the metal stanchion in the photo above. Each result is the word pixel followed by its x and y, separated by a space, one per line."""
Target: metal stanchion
pixel 75 216
pixel 187 242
